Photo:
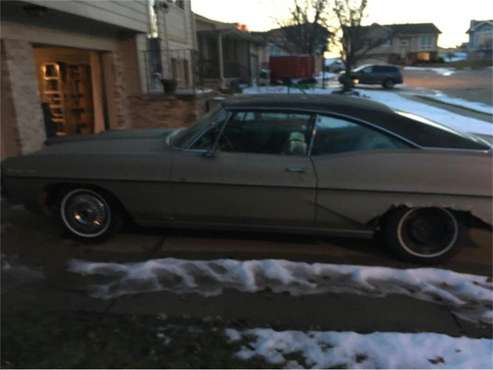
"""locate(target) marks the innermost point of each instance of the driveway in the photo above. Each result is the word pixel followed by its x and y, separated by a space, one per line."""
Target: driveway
pixel 41 279
pixel 472 84
pixel 47 245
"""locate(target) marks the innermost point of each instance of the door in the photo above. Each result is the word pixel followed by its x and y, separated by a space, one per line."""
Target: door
pixel 257 172
pixel 354 178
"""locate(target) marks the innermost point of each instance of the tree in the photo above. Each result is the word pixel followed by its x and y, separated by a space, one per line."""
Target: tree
pixel 355 40
pixel 305 31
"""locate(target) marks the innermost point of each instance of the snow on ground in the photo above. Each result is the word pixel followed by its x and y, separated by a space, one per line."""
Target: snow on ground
pixel 469 296
pixel 328 76
pixel 395 101
pixel 438 70
pixel 322 350
pixel 455 121
pixel 15 274
pixel 477 106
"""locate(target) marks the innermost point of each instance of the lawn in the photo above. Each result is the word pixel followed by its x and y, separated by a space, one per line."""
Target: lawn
pixel 89 340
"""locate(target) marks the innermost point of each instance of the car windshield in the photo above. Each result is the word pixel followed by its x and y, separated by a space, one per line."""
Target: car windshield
pixel 184 138
pixel 361 67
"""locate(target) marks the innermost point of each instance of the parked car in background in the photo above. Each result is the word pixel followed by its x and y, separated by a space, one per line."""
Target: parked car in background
pixel 386 75
pixel 334 65
pixel 290 163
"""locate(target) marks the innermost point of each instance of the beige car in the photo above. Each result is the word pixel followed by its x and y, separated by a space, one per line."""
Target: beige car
pixel 292 164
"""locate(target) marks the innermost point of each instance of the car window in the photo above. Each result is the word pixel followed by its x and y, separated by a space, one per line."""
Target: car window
pixel 266 133
pixel 335 135
pixel 388 69
pixel 208 127
pixel 367 70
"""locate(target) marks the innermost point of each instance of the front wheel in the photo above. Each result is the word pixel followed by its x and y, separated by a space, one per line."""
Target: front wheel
pixel 422 234
pixel 88 214
pixel 388 84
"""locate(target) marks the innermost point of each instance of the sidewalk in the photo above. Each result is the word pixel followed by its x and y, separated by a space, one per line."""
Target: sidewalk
pixel 338 312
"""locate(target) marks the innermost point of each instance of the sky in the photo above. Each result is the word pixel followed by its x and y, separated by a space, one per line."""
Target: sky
pixel 452 17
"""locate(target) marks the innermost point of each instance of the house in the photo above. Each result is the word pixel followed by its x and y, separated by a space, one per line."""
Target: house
pixel 68 68
pixel 406 44
pixel 80 68
pixel 304 39
pixel 172 49
pixel 228 53
pixel 480 40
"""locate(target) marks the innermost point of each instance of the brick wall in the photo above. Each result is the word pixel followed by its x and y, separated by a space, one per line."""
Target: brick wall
pixel 24 116
pixel 152 111
pixel 10 145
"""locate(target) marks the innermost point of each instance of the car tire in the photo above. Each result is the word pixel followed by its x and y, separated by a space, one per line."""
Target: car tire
pixel 388 84
pixel 424 235
pixel 89 215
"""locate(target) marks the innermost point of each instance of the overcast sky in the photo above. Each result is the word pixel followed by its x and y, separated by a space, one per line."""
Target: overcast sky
pixel 452 17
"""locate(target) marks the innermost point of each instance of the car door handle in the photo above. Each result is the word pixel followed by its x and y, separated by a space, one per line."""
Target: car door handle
pixel 296 169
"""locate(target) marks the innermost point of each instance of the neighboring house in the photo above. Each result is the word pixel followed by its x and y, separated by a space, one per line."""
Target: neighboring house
pixel 81 60
pixel 407 44
pixel 307 39
pixel 173 50
pixel 227 53
pixel 480 40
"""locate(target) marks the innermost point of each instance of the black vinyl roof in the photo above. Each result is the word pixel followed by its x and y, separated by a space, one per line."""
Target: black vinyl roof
pixel 363 109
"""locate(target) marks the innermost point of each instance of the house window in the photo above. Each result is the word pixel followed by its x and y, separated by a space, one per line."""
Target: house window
pixel 426 41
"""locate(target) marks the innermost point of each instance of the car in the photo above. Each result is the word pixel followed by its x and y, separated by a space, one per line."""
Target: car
pixel 329 165
pixel 334 65
pixel 386 75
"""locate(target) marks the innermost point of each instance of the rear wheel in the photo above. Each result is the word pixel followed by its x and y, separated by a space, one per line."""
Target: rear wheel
pixel 89 214
pixel 388 84
pixel 422 234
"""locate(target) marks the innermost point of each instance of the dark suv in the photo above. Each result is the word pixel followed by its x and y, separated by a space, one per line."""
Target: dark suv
pixel 385 75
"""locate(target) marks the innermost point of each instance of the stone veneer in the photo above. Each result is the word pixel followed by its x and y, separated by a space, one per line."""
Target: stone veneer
pixel 23 110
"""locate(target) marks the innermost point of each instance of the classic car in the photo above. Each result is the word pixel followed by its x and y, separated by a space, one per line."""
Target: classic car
pixel 333 165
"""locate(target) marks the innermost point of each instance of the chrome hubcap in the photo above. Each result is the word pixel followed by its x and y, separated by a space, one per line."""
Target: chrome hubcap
pixel 428 232
pixel 85 213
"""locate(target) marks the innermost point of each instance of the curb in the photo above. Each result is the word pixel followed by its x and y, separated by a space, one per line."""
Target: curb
pixel 430 98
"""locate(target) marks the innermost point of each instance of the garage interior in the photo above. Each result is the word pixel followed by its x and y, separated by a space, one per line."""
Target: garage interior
pixel 70 87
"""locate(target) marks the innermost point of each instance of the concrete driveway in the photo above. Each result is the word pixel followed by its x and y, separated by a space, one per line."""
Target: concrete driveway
pixel 37 244
pixel 38 240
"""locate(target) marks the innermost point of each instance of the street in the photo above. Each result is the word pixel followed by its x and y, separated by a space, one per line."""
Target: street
pixel 468 84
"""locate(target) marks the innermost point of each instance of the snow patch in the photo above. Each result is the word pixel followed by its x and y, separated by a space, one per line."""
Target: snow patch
pixel 469 296
pixel 329 349
pixel 442 116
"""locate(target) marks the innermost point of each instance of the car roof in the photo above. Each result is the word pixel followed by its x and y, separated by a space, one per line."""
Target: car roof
pixel 331 103
pixel 362 109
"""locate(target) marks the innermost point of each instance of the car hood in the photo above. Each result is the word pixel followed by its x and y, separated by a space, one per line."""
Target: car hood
pixel 114 141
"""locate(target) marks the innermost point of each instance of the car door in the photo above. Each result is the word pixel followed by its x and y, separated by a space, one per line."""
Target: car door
pixel 366 75
pixel 355 183
pixel 256 173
